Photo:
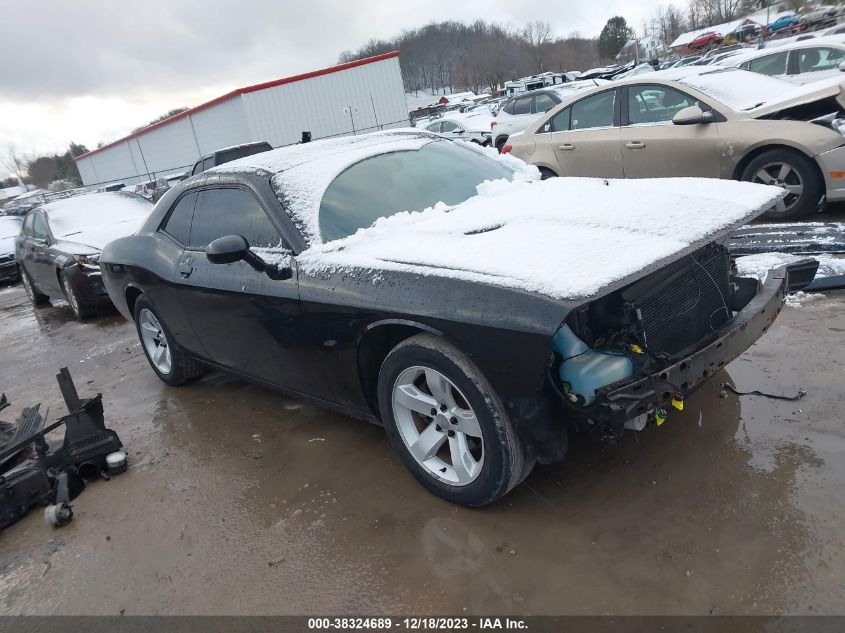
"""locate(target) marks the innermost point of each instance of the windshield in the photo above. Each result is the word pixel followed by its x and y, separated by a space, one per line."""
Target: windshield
pixel 75 215
pixel 9 227
pixel 414 180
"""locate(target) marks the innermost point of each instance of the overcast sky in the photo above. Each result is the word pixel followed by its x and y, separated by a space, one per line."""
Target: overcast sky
pixel 92 70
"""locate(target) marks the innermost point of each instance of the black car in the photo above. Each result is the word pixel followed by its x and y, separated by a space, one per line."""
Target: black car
pixel 480 331
pixel 10 226
pixel 228 154
pixel 58 248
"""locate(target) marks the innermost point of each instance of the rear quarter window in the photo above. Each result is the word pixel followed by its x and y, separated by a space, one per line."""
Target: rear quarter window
pixel 178 223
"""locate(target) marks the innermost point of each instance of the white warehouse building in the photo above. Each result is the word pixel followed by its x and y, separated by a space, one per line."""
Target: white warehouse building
pixel 360 96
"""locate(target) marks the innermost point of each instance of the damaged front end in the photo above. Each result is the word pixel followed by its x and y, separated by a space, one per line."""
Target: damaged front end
pixel 626 359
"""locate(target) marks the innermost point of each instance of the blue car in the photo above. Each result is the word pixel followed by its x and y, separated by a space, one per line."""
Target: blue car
pixel 783 22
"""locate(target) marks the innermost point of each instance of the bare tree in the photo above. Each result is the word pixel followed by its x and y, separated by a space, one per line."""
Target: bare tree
pixel 15 164
pixel 538 35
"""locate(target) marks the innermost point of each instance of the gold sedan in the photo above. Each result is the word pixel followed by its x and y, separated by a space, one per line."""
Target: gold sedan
pixel 723 123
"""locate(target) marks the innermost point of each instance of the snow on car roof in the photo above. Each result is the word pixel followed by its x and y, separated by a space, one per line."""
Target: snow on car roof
pixel 304 171
pixel 565 238
pixel 72 216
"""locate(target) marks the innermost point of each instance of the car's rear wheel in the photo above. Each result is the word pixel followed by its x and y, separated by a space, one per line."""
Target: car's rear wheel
pixel 35 297
pixel 168 359
pixel 81 310
pixel 546 173
pixel 447 424
pixel 501 142
pixel 794 172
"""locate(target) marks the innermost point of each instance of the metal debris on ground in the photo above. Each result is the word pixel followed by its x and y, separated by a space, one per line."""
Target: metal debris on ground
pixel 57 474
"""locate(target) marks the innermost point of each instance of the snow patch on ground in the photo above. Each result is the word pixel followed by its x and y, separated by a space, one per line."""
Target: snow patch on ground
pixel 562 237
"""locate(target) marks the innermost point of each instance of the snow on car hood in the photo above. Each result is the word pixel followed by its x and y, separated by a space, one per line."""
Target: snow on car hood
pixel 93 220
pixel 565 238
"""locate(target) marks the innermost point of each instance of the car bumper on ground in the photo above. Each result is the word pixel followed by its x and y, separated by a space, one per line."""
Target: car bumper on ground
pixel 642 396
pixel 832 165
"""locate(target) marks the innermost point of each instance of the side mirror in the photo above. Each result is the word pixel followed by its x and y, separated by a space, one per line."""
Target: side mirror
pixel 842 66
pixel 692 115
pixel 227 250
pixel 234 248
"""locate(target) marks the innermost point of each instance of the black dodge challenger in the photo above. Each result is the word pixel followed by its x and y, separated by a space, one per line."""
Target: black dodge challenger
pixel 445 292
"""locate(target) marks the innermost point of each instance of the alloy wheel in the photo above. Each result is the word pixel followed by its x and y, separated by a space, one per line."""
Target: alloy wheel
pixel 154 341
pixel 70 295
pixel 784 175
pixel 438 426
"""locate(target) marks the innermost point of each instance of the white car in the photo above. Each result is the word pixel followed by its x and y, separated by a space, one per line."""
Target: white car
pixel 521 110
pixel 799 62
pixel 474 126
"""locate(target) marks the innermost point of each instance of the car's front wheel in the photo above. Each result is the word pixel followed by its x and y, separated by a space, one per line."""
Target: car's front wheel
pixel 169 360
pixel 447 424
pixel 794 172
pixel 81 310
pixel 38 299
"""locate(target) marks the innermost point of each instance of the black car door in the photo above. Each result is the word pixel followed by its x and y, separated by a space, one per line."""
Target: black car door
pixel 243 319
pixel 38 259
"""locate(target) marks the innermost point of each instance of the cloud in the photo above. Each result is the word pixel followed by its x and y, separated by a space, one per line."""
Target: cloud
pixel 93 70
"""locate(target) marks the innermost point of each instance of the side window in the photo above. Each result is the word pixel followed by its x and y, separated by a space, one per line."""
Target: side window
pixel 655 104
pixel 27 225
pixel 522 106
pixel 196 168
pixel 592 112
pixel 774 64
pixel 448 126
pixel 434 127
pixel 509 107
pixel 39 227
pixel 814 59
pixel 178 223
pixel 208 163
pixel 222 212
pixel 560 121
pixel 543 103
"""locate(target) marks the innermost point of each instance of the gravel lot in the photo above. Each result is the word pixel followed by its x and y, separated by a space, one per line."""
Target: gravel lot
pixel 240 500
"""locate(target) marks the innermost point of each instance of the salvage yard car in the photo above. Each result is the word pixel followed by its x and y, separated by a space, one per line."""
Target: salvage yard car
pixel 444 291
pixel 10 227
pixel 59 247
pixel 699 121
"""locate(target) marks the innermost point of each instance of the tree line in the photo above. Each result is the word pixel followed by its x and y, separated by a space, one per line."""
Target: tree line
pixel 479 56
pixel 41 171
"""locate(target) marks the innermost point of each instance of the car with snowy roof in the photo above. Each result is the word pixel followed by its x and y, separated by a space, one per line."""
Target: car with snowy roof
pixel 699 121
pixel 518 112
pixel 444 291
pixel 10 227
pixel 58 248
pixel 474 127
pixel 799 62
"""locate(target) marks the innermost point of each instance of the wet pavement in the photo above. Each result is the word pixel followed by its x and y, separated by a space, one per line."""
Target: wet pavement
pixel 239 500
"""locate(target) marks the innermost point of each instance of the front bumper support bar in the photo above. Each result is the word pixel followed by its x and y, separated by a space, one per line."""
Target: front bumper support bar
pixel 628 399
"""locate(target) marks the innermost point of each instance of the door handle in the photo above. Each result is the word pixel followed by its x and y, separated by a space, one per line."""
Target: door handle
pixel 185 270
pixel 635 145
pixel 566 147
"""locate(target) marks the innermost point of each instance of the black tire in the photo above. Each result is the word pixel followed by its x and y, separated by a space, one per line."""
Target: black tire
pixel 546 173
pixel 38 300
pixel 505 461
pixel 81 310
pixel 803 172
pixel 501 142
pixel 183 367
